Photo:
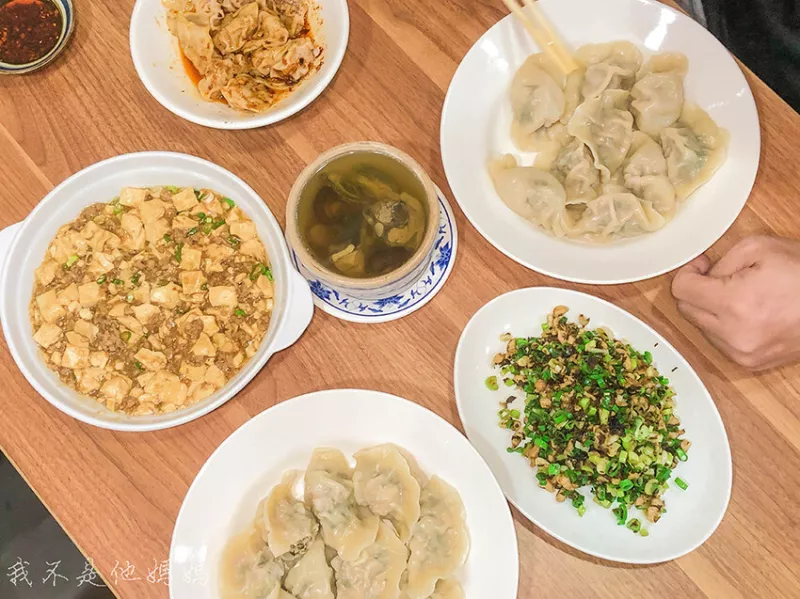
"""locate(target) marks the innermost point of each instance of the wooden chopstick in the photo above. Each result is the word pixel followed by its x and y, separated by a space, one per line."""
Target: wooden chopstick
pixel 543 33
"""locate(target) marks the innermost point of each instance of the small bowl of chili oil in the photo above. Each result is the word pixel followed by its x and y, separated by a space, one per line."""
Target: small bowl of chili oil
pixel 33 33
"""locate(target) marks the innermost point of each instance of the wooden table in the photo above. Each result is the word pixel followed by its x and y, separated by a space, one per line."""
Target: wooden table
pixel 118 494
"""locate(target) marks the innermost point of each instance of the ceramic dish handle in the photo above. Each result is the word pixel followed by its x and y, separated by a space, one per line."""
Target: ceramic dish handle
pixel 7 235
pixel 299 314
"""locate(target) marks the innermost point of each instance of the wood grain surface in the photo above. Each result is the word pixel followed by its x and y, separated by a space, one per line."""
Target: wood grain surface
pixel 118 495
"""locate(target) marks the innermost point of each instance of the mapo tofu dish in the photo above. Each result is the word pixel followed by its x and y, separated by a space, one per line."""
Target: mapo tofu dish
pixel 153 301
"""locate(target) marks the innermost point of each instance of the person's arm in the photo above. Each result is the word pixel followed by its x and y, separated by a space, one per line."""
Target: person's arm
pixel 748 303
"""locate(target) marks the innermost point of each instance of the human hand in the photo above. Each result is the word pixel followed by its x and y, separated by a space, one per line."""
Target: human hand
pixel 748 303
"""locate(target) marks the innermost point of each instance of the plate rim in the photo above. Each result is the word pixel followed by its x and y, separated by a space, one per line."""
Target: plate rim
pixel 526 513
pixel 374 394
pixel 446 108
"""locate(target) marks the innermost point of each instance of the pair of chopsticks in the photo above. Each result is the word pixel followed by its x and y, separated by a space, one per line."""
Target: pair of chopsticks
pixel 543 33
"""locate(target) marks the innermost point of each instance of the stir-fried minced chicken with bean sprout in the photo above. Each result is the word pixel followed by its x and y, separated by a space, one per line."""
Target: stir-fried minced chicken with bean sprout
pixel 153 301
pixel 597 412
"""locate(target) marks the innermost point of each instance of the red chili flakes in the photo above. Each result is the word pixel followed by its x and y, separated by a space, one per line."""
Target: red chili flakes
pixel 29 29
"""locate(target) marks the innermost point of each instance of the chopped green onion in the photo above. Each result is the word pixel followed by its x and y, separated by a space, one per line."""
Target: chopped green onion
pixel 491 383
pixel 581 510
pixel 198 195
pixel 118 282
pixel 192 231
pixel 258 270
pixel 179 252
pixel 204 287
pixel 681 454
pixel 234 241
pixel 231 204
pixel 136 278
pixel 643 533
pixel 138 365
pixel 553 469
pixel 621 512
pixel 514 413
pixel 167 238
pixel 681 483
pixel 508 382
pixel 71 261
pixel 240 312
pixel 201 216
pixel 172 189
pixel 634 525
pixel 216 224
pixel 626 485
pixel 101 280
pixel 125 336
pixel 648 357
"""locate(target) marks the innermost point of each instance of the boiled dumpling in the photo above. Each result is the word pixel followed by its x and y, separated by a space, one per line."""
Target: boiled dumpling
pixel 248 570
pixel 658 92
pixel 608 66
pixel 533 194
pixel 383 482
pixel 574 167
pixel 618 214
pixel 288 524
pixel 311 577
pixel 537 100
pixel 346 526
pixel 270 33
pixel 572 93
pixel 694 148
pixel 606 126
pixel 448 589
pixel 376 573
pixel 194 37
pixel 247 93
pixel 645 174
pixel 440 542
pixel 236 29
pixel 219 72
pixel 547 142
pixel 279 593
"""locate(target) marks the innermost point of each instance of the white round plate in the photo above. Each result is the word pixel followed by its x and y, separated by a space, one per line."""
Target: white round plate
pixel 345 306
pixel 477 119
pixel 156 56
pixel 692 515
pixel 224 495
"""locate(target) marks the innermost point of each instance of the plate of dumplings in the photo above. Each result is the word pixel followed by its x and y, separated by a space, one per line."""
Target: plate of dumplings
pixel 344 494
pixel 623 169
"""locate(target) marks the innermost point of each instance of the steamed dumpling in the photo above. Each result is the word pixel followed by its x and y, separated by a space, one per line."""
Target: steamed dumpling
pixel 537 100
pixel 376 573
pixel 618 214
pixel 346 526
pixel 574 168
pixel 605 125
pixel 383 482
pixel 645 174
pixel 311 577
pixel 658 92
pixel 533 194
pixel 694 148
pixel 440 541
pixel 248 569
pixel 288 524
pixel 608 66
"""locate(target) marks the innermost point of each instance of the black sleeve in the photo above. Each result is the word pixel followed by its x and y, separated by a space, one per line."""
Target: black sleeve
pixel 765 35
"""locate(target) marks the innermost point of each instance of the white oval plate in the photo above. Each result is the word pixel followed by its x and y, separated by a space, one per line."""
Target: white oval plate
pixel 224 495
pixel 157 60
pixel 692 515
pixel 477 119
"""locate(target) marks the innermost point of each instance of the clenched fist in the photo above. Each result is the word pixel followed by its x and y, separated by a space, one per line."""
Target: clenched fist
pixel 748 303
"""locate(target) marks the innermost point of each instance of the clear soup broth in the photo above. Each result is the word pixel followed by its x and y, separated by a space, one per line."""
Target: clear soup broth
pixel 363 215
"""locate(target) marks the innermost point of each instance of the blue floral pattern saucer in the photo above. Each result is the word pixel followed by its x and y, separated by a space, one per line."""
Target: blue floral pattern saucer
pixel 342 305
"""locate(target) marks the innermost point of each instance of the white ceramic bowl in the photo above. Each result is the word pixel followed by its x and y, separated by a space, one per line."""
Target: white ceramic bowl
pixel 477 119
pixel 24 245
pixel 224 495
pixel 692 515
pixel 156 56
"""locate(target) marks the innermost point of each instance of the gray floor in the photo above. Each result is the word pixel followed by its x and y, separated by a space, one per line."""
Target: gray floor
pixel 31 544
